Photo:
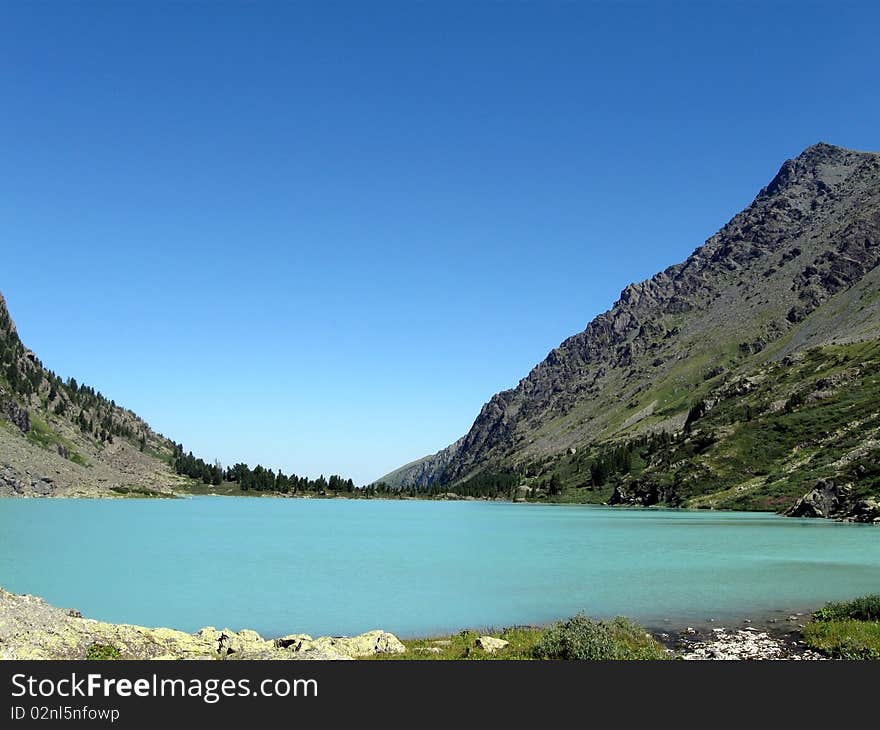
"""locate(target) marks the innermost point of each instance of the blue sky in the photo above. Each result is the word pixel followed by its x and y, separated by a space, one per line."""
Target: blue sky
pixel 321 236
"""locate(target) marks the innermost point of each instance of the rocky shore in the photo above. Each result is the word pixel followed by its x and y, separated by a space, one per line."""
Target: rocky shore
pixel 740 643
pixel 30 628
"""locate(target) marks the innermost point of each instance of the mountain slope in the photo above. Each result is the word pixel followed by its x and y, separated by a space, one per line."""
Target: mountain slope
pixel 793 271
pixel 60 438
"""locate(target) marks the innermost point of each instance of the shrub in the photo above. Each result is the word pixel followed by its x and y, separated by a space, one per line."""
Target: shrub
pixel 580 638
pixel 866 608
pixel 795 400
pixel 103 652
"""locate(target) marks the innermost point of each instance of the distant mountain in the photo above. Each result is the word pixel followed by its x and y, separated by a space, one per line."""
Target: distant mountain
pixel 793 272
pixel 62 438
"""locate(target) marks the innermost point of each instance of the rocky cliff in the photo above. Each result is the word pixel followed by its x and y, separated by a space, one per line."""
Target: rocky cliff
pixel 793 271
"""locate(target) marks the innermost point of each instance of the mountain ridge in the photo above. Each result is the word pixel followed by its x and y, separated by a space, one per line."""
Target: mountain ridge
pixel 63 438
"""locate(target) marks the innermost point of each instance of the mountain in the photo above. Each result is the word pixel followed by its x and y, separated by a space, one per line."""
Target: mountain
pixel 61 438
pixel 789 277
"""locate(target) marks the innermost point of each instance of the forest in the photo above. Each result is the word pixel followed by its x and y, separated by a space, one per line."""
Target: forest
pixel 258 479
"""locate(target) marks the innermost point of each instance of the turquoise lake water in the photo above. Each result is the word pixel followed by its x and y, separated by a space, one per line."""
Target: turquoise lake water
pixel 415 568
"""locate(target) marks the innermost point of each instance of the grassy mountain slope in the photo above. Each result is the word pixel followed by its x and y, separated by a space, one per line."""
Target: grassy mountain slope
pixel 60 438
pixel 793 272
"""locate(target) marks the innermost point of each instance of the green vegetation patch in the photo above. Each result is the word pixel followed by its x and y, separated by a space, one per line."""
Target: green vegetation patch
pixel 103 652
pixel 140 492
pixel 581 638
pixel 847 639
pixel 462 646
pixel 847 629
pixel 578 638
pixel 41 434
pixel 749 443
pixel 866 608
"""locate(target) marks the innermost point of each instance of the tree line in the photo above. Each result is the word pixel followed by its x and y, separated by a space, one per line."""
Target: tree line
pixel 258 479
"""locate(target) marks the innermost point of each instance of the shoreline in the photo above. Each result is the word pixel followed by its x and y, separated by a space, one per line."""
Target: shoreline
pixel 173 496
pixel 30 628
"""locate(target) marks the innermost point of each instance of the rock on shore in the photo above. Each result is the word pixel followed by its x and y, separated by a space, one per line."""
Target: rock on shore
pixel 32 629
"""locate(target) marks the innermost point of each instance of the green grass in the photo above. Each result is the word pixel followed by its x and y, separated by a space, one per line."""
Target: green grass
pixel 460 646
pixel 41 434
pixel 847 629
pixel 578 638
pixel 103 652
pixel 847 639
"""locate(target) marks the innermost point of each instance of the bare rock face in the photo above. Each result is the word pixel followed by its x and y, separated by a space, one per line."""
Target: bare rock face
pixel 829 500
pixel 865 510
pixel 643 495
pixel 810 234
pixel 18 416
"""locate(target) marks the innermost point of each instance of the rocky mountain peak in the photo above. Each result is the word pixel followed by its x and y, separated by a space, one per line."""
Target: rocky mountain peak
pixel 818 168
pixel 810 234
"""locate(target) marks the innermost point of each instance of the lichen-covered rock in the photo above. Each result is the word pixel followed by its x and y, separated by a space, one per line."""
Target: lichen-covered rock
pixel 32 629
pixel 367 644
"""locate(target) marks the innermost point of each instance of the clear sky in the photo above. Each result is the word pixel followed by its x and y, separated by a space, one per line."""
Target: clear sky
pixel 321 236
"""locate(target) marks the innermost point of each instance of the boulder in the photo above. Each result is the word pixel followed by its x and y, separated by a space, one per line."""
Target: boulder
pixel 43 486
pixel 865 510
pixel 367 644
pixel 824 500
pixel 294 642
pixel 10 482
pixel 250 636
pixel 490 644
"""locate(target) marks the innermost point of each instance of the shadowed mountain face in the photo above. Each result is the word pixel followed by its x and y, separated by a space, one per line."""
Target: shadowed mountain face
pixel 794 270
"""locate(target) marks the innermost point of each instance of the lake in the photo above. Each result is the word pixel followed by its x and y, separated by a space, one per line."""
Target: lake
pixel 418 568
